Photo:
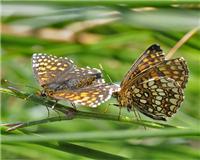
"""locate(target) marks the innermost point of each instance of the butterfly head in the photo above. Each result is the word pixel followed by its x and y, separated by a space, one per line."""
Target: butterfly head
pixel 122 100
pixel 115 95
pixel 46 92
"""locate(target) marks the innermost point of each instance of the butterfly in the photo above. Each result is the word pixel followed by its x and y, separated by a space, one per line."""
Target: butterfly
pixel 61 79
pixel 154 85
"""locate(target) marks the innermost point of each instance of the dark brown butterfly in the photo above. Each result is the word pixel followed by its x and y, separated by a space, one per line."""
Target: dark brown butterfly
pixel 154 85
pixel 61 79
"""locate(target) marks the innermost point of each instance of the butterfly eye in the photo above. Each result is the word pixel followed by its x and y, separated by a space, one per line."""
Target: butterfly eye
pixel 43 94
pixel 50 93
pixel 115 94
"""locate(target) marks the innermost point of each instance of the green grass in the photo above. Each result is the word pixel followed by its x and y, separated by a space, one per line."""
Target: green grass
pixel 93 134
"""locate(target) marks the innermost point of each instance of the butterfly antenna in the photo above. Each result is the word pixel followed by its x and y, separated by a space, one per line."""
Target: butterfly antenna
pixel 29 96
pixel 106 109
pixel 53 108
pixel 8 83
pixel 5 81
pixel 73 105
pixel 105 73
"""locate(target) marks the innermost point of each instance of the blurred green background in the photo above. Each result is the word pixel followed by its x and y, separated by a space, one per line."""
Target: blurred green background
pixel 109 33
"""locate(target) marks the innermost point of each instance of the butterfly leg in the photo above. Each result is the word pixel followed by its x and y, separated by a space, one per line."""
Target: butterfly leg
pixel 106 109
pixel 53 108
pixel 58 113
pixel 71 112
pixel 138 117
pixel 54 104
pixel 136 114
pixel 120 110
pixel 48 112
pixel 29 96
pixel 73 105
pixel 115 104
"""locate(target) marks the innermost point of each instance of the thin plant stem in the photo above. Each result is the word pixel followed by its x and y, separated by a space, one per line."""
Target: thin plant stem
pixel 71 113
pixel 183 40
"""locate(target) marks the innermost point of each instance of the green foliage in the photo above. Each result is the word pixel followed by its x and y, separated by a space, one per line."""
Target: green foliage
pixel 114 45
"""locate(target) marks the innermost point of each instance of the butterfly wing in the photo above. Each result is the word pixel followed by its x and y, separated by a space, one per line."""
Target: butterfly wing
pixel 79 73
pixel 157 97
pixel 175 69
pixel 152 56
pixel 83 86
pixel 154 85
pixel 48 68
pixel 91 96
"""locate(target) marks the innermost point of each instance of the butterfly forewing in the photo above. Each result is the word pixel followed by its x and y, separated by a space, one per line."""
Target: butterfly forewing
pixel 152 56
pixel 48 68
pixel 175 69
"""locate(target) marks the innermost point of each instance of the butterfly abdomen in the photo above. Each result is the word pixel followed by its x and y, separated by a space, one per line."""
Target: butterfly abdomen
pixel 73 83
pixel 84 81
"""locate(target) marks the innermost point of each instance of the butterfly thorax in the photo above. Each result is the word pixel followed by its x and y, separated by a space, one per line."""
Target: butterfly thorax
pixel 70 84
pixel 84 82
pixel 124 101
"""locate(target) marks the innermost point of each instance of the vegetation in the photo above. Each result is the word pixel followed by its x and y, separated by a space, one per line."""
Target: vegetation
pixel 112 34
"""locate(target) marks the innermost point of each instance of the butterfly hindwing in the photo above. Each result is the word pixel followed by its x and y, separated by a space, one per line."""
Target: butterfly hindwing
pixel 175 69
pixel 159 97
pixel 91 96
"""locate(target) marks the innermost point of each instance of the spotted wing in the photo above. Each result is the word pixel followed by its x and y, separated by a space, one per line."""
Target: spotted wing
pixel 157 97
pixel 175 69
pixel 89 96
pixel 79 73
pixel 48 68
pixel 152 56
